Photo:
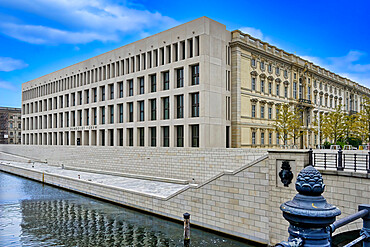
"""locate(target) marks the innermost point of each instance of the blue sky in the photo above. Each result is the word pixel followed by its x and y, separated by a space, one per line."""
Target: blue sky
pixel 40 36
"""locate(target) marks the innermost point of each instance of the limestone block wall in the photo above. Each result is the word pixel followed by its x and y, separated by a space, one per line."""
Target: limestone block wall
pixel 347 190
pixel 243 199
pixel 193 164
pixel 233 202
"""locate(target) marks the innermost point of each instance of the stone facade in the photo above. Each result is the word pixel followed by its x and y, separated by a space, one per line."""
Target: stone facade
pixel 10 125
pixel 167 90
pixel 265 77
pixel 195 85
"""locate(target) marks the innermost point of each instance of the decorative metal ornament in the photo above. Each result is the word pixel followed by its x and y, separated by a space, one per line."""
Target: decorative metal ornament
pixel 286 174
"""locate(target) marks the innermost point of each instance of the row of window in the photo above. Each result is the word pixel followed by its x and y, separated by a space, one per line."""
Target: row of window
pixel 63 138
pixel 269 66
pixel 99 93
pixel 146 60
pixel 277 90
pixel 82 117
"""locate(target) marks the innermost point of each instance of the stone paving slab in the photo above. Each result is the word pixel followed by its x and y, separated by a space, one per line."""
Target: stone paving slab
pixel 149 187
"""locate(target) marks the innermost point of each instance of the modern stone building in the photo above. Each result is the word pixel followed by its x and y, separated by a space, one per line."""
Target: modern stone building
pixel 10 125
pixel 195 85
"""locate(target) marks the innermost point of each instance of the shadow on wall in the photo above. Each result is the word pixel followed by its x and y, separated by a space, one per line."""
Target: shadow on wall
pixel 344 238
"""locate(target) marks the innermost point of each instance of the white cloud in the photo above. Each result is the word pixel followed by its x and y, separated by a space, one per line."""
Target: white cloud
pixel 254 32
pixel 348 66
pixel 7 85
pixel 9 64
pixel 46 35
pixel 82 21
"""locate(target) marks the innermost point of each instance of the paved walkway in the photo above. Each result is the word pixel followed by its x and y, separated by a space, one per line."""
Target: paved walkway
pixel 149 187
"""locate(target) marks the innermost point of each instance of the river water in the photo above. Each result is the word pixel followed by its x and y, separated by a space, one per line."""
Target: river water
pixel 32 214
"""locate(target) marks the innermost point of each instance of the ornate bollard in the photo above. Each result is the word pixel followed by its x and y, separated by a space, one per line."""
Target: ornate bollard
pixel 308 213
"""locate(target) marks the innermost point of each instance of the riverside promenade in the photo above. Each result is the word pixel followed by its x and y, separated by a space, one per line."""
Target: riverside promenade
pixel 239 191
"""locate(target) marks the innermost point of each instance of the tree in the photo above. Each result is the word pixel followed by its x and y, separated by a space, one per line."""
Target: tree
pixel 288 123
pixel 318 121
pixel 296 124
pixel 351 127
pixel 333 126
pixel 364 121
pixel 282 122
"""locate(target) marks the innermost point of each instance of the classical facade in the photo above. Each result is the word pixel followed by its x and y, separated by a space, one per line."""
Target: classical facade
pixel 264 77
pixel 195 85
pixel 10 125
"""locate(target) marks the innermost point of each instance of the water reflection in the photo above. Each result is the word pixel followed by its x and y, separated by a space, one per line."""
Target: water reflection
pixel 53 217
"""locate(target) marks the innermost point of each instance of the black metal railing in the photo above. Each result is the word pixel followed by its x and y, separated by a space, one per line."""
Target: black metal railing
pixel 306 101
pixel 339 161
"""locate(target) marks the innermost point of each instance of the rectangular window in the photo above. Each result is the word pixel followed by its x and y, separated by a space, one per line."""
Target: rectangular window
pixel 195 135
pixel 95 94
pixel 141 110
pixel 254 62
pixel 277 138
pixel 180 77
pixel 95 116
pixel 141 85
pixel 270 112
pixel 286 92
pixel 166 107
pixel 195 104
pixel 130 86
pixel 253 84
pixel 130 111
pixel 270 88
pixel 87 116
pixel 180 106
pixel 180 136
pixel 153 136
pixel 141 136
pixel 262 112
pixel 166 80
pixel 111 90
pixel 120 88
pixel 166 136
pixel 130 137
pixel 270 138
pixel 262 65
pixel 80 118
pixel 253 110
pixel 153 109
pixel 277 89
pixel 195 75
pixel 111 112
pixel 253 138
pixel 262 86
pixel 102 90
pixel 295 90
pixel 102 110
pixel 120 109
pixel 79 98
pixel 153 83
pixel 262 138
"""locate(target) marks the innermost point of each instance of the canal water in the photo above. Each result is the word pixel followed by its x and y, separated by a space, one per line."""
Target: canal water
pixel 32 214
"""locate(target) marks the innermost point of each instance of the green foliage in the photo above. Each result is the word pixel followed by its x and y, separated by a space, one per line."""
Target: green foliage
pixel 355 142
pixel 288 123
pixel 327 144
pixel 341 143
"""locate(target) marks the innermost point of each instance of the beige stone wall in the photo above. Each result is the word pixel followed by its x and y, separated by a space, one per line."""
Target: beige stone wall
pixel 193 165
pixel 235 195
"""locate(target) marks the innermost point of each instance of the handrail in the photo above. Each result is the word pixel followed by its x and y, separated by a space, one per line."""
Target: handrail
pixel 350 218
